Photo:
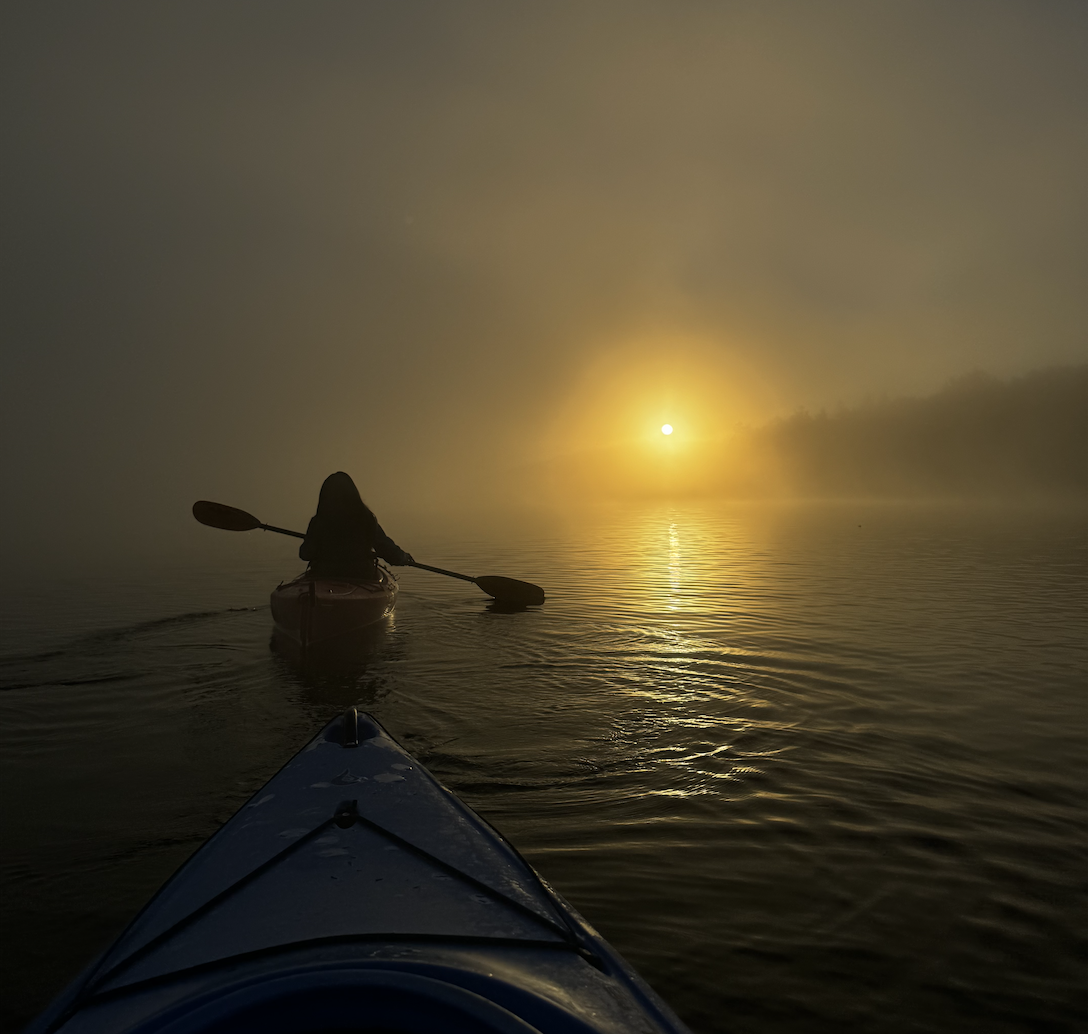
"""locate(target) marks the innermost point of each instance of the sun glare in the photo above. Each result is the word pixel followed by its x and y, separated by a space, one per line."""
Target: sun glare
pixel 609 437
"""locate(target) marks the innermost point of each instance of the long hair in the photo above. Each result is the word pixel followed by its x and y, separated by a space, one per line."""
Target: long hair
pixel 342 509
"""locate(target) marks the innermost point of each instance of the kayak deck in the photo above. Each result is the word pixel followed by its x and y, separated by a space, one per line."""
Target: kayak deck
pixel 356 892
pixel 311 611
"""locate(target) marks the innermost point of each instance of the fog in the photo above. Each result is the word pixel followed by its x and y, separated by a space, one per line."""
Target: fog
pixel 979 437
pixel 461 250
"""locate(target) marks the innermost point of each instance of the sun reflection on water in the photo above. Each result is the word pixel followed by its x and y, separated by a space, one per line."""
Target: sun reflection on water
pixel 674 562
pixel 689 690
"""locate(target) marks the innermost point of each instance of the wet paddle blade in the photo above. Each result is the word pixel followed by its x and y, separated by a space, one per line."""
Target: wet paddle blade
pixel 510 590
pixel 229 518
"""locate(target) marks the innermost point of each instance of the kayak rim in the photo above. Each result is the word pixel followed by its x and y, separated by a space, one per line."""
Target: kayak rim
pixel 359 972
pixel 340 940
pixel 413 998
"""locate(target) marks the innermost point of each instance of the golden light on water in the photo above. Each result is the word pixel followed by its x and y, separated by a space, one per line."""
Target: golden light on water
pixel 666 428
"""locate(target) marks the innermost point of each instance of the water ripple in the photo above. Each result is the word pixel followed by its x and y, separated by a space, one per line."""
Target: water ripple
pixel 809 769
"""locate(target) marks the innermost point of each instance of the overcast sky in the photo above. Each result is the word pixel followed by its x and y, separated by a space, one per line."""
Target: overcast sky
pixel 250 243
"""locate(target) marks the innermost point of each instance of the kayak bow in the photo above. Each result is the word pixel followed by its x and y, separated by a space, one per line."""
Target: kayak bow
pixel 356 893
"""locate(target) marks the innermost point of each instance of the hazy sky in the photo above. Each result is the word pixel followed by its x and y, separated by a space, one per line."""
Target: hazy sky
pixel 429 243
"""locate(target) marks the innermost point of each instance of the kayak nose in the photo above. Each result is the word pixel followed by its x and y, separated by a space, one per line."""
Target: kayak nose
pixel 351 727
pixel 346 814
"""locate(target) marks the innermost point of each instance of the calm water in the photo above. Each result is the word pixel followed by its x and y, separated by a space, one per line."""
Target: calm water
pixel 809 769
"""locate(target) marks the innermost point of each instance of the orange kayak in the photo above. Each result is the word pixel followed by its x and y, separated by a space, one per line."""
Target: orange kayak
pixel 313 611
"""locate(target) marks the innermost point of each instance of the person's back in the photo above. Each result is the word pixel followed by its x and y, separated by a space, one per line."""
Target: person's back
pixel 344 539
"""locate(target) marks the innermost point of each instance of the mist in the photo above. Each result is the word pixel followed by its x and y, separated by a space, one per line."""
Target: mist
pixel 443 246
pixel 980 437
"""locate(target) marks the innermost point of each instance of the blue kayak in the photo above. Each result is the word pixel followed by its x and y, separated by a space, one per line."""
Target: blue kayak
pixel 356 893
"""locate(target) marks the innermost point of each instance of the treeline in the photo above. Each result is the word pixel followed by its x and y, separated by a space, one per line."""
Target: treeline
pixel 980 436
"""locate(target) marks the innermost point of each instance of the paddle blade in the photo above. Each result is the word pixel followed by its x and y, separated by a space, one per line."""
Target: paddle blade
pixel 510 590
pixel 229 518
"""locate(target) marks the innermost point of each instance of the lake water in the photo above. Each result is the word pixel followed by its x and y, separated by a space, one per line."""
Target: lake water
pixel 810 768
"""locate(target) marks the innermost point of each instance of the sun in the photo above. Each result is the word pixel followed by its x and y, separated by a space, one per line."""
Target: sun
pixel 666 428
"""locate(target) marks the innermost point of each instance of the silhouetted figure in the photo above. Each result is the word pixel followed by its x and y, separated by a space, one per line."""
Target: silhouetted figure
pixel 344 538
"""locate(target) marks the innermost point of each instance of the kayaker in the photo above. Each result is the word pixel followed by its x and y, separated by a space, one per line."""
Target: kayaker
pixel 344 538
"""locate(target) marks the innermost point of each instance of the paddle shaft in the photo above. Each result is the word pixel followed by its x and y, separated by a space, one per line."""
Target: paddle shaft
pixel 505 590
pixel 441 570
pixel 282 531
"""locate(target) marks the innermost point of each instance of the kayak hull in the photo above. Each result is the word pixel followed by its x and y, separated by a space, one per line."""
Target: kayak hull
pixel 311 611
pixel 355 892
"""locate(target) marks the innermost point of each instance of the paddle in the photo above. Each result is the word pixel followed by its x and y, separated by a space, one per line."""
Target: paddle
pixel 506 590
pixel 230 518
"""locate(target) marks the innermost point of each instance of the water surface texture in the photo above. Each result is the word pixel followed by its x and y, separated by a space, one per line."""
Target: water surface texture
pixel 809 768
